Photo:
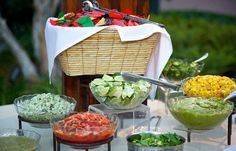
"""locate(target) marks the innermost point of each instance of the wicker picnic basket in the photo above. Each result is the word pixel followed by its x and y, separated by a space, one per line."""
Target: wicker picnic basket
pixel 104 53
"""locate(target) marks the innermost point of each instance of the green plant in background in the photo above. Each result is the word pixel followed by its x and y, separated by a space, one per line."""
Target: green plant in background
pixel 195 33
pixel 12 84
pixel 10 90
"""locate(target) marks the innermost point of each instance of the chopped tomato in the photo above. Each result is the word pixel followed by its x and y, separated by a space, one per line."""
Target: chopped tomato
pixel 84 128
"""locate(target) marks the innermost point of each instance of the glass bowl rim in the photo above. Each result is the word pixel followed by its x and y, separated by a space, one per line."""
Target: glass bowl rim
pixel 16 100
pixel 113 123
pixel 12 132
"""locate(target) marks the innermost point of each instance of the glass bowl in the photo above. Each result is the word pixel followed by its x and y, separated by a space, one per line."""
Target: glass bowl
pixel 84 128
pixel 199 113
pixel 177 70
pixel 20 140
pixel 38 109
pixel 120 94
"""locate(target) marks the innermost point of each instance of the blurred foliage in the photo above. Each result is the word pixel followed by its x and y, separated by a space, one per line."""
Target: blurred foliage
pixel 12 89
pixel 19 20
pixel 17 11
pixel 192 35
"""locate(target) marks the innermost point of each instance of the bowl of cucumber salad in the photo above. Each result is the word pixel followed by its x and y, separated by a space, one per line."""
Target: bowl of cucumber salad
pixel 115 93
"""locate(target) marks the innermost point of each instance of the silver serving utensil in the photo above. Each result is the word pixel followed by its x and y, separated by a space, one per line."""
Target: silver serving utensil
pixel 133 77
pixel 230 96
pixel 89 6
pixel 202 58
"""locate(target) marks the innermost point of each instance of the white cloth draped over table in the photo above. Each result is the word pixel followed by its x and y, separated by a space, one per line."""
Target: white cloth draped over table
pixel 58 39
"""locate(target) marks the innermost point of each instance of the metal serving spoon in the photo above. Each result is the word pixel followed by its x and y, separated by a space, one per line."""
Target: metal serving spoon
pixel 134 77
pixel 230 96
pixel 202 58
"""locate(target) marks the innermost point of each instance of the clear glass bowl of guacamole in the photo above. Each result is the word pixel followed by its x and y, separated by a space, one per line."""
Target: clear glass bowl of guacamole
pixel 199 113
pixel 18 140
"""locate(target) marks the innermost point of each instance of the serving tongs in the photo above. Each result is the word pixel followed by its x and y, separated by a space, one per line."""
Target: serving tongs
pixel 134 77
pixel 89 6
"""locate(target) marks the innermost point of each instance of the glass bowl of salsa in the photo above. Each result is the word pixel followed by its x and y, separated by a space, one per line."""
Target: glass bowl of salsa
pixel 18 140
pixel 84 127
pixel 199 113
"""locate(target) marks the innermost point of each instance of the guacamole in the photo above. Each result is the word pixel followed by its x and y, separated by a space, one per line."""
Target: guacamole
pixel 198 113
pixel 17 143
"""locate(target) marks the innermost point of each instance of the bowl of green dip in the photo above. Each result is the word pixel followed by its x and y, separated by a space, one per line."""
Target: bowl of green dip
pixel 199 113
pixel 19 140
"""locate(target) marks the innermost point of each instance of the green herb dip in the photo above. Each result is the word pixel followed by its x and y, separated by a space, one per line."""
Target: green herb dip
pixel 17 143
pixel 200 113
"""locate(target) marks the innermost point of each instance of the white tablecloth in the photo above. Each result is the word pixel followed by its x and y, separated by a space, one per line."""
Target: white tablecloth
pixel 214 140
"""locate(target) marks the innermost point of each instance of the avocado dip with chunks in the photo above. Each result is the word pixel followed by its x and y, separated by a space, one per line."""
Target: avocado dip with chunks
pixel 200 113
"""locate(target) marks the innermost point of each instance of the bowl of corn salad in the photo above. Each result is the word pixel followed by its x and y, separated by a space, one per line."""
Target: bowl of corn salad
pixel 209 86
